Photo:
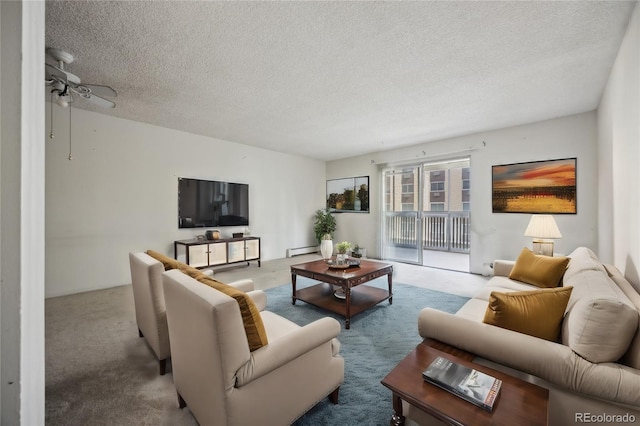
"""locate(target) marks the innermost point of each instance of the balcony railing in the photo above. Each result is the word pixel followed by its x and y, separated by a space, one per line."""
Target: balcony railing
pixel 447 231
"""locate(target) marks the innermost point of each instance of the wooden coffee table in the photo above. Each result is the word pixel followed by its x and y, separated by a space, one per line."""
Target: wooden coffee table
pixel 518 403
pixel 357 297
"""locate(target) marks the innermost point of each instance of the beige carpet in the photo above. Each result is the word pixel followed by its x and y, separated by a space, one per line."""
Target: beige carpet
pixel 93 352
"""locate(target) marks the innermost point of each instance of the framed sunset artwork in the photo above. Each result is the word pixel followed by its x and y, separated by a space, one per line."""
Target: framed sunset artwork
pixel 547 187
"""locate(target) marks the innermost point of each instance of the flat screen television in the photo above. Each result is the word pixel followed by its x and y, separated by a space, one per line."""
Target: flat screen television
pixel 208 203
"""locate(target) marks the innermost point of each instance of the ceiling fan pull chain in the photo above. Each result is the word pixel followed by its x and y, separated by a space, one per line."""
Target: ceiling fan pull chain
pixel 70 156
pixel 51 136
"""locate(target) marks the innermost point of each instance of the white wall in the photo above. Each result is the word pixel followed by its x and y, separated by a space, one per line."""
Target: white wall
pixel 619 151
pixel 119 194
pixel 493 236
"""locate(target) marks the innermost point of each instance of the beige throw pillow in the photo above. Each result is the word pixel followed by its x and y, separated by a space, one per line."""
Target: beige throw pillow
pixel 600 329
pixel 541 271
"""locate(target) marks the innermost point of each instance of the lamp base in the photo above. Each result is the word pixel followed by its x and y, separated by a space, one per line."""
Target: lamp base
pixel 543 247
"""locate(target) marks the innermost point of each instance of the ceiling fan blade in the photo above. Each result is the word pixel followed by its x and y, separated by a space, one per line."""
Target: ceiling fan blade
pixel 62 75
pixel 101 90
pixel 53 71
pixel 92 97
pixel 105 103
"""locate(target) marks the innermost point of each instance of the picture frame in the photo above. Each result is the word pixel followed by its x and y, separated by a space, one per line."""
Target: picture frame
pixel 349 194
pixel 536 187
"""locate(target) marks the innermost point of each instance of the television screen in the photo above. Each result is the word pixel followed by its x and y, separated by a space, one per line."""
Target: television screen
pixel 207 203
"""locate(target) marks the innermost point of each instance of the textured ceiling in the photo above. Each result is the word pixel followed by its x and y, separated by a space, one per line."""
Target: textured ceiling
pixel 336 79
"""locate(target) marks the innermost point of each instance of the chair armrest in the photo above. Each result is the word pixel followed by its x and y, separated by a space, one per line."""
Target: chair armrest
pixel 245 285
pixel 287 348
pixel 502 268
pixel 259 297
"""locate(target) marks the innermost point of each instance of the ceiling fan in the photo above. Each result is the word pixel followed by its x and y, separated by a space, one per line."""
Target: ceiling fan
pixel 64 84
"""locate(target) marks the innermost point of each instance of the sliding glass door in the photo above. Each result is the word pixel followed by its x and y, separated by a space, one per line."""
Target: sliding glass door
pixel 426 214
pixel 402 213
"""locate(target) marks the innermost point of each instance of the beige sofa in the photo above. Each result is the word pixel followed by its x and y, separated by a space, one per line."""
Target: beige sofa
pixel 223 381
pixel 592 370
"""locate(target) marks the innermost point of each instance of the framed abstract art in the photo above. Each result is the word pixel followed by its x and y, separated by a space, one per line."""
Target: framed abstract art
pixel 545 187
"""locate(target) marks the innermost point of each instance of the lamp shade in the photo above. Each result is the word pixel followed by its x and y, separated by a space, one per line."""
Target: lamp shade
pixel 542 226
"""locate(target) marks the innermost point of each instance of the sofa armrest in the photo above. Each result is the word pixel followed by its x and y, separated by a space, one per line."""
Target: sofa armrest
pixel 287 348
pixel 517 350
pixel 259 297
pixel 553 362
pixel 245 285
pixel 502 268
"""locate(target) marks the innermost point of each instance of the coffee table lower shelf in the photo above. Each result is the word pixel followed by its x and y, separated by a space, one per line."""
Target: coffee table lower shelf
pixel 321 295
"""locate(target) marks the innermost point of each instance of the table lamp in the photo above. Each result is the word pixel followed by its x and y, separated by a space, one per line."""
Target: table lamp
pixel 543 228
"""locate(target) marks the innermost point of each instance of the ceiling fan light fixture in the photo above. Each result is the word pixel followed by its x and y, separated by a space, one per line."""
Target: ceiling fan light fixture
pixel 62 101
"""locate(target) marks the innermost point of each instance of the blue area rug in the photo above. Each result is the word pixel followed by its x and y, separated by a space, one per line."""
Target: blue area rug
pixel 378 339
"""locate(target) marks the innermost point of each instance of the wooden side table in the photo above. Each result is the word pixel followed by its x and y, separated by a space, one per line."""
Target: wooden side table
pixel 519 402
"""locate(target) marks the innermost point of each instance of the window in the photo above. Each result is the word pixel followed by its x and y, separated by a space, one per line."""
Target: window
pixel 437 186
pixel 407 207
pixel 437 207
pixel 407 188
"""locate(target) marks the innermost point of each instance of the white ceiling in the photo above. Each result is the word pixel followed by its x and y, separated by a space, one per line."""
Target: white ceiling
pixel 336 79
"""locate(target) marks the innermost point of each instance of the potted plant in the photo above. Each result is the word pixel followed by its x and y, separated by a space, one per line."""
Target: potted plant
pixel 342 248
pixel 324 224
pixel 356 252
pixel 324 227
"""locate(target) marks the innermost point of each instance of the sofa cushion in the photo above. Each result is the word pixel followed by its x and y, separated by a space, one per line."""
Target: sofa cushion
pixel 251 319
pixel 601 321
pixel 632 356
pixel 541 271
pixel 502 284
pixel 600 329
pixel 474 309
pixel 536 313
pixel 582 259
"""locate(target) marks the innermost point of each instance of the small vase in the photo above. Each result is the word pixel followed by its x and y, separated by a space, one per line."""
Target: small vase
pixel 341 258
pixel 326 249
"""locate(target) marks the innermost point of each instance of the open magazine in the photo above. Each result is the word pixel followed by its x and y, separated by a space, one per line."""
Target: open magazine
pixel 474 386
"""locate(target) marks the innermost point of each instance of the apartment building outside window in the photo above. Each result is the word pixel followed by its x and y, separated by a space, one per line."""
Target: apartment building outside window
pixel 427 207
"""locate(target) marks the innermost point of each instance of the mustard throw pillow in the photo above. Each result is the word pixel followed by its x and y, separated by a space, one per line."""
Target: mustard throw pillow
pixel 253 325
pixel 171 263
pixel 541 271
pixel 537 313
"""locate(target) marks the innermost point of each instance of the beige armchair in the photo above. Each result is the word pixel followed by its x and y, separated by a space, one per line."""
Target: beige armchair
pixel 148 296
pixel 151 316
pixel 222 382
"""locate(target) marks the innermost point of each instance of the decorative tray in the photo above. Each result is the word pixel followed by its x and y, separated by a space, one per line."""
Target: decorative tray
pixel 350 263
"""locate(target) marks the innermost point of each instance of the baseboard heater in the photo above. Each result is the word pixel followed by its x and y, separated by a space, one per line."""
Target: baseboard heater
pixel 302 250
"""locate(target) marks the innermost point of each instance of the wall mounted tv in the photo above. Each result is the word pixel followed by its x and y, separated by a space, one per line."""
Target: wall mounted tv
pixel 208 203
